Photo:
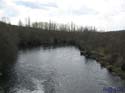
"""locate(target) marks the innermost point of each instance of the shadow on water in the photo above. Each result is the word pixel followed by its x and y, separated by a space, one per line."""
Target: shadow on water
pixel 8 77
pixel 11 79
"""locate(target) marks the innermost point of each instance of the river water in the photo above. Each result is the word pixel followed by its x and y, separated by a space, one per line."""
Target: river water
pixel 58 70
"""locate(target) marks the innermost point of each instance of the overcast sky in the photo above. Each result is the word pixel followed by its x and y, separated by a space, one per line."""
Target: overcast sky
pixel 103 14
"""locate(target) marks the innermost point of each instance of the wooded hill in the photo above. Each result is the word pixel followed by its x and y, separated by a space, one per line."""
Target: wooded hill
pixel 108 48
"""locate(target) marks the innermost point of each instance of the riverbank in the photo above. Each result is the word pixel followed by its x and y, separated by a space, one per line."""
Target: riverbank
pixel 108 48
pixel 105 61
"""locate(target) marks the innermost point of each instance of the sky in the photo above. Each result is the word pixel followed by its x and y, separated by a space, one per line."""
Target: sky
pixel 103 14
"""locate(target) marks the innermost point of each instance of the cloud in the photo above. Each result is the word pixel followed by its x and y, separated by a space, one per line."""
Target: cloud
pixel 36 5
pixel 84 11
pixel 8 9
pixel 1 6
pixel 103 14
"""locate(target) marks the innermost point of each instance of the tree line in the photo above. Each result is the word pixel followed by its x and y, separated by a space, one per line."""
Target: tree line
pixel 106 47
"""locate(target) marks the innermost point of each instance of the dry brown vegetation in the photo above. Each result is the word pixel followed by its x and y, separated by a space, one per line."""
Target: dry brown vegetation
pixel 108 48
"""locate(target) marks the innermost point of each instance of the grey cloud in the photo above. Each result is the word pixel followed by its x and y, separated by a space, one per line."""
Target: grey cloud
pixel 37 5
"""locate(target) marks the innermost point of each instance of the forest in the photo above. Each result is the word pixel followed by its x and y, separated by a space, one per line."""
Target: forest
pixel 108 48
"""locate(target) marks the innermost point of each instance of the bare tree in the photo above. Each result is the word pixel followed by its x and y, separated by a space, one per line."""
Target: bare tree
pixel 20 23
pixel 28 22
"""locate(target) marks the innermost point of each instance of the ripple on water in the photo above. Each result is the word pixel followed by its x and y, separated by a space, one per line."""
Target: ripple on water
pixel 38 87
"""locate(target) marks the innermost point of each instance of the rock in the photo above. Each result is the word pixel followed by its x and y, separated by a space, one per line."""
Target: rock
pixel 109 68
pixel 82 52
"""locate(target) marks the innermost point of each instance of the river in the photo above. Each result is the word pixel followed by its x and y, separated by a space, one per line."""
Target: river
pixel 57 70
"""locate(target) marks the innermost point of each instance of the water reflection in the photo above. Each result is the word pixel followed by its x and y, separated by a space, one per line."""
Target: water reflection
pixel 56 70
pixel 8 78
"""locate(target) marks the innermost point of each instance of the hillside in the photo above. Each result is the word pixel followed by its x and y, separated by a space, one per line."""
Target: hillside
pixel 108 48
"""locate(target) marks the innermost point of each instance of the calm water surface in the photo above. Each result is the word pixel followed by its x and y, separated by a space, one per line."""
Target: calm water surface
pixel 57 70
